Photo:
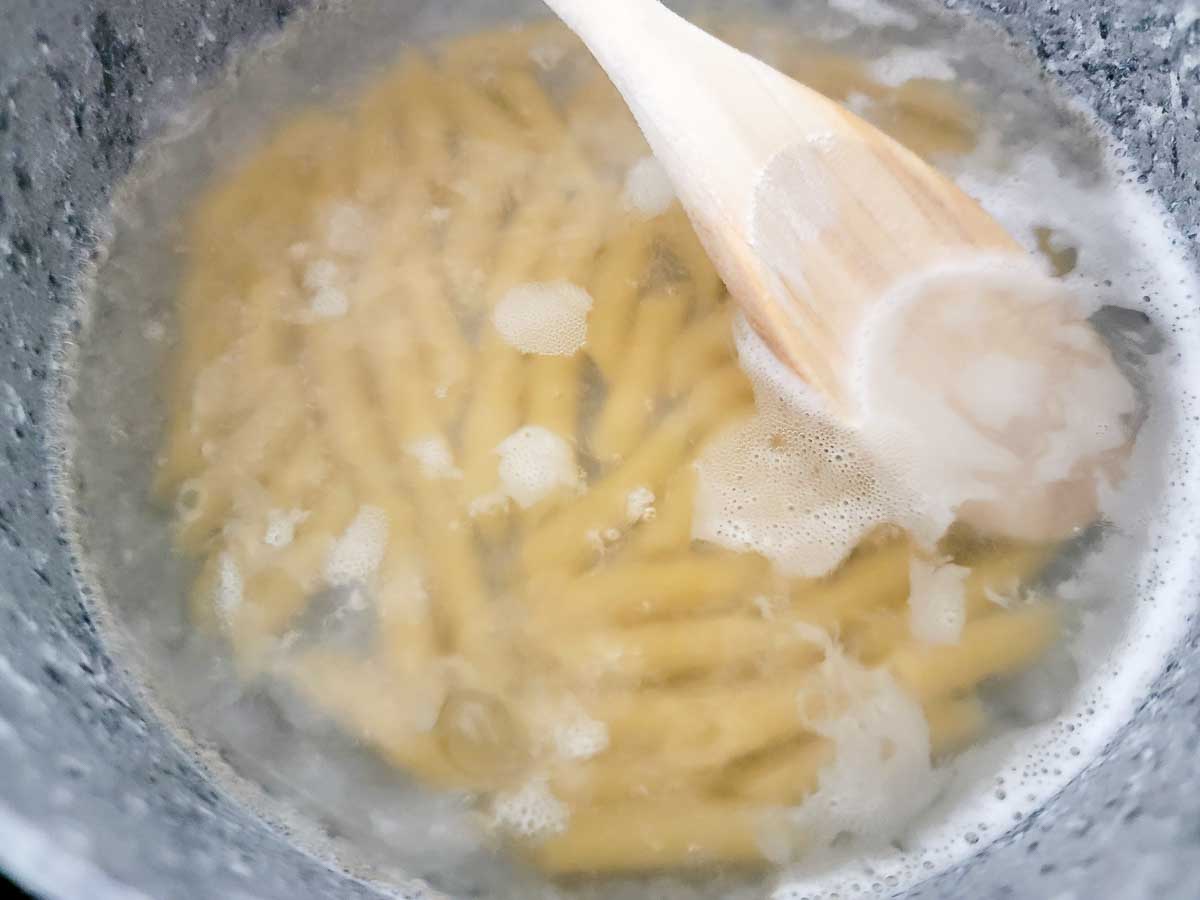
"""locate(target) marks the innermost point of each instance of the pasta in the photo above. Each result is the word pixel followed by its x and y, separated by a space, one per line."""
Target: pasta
pixel 340 408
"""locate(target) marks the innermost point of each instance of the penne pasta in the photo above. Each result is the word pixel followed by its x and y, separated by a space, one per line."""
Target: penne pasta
pixel 632 394
pixel 634 592
pixel 340 399
pixel 566 539
pixel 615 290
pixel 706 343
pixel 998 644
pixel 657 652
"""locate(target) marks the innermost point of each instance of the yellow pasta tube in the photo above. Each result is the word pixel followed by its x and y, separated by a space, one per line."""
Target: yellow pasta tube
pixel 782 775
pixel 567 539
pixel 701 726
pixel 400 293
pixel 705 344
pixel 609 778
pixel 954 723
pixel 656 652
pixel 390 714
pixel 279 587
pixel 493 413
pixel 454 572
pixel 646 835
pixel 250 451
pixel 401 125
pixel 997 577
pixel 218 396
pixel 670 528
pixel 633 391
pixel 787 774
pixel 639 591
pixel 872 577
pixel 999 644
pixel 871 638
pixel 615 287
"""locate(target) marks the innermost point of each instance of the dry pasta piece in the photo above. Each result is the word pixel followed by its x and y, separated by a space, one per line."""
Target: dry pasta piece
pixel 646 835
pixel 633 391
pixel 998 644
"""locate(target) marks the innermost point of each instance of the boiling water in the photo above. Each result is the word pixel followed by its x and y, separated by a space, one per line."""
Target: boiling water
pixel 286 759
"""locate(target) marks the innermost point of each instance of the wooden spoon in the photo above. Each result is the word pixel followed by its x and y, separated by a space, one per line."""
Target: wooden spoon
pixel 810 214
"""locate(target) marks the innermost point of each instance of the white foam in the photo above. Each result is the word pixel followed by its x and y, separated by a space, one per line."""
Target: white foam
pixel 648 189
pixel 875 12
pixel 639 505
pixel 545 318
pixel 281 526
pixel 532 811
pixel 909 63
pixel 534 463
pixel 880 775
pixel 987 395
pixel 229 590
pixel 347 230
pixel 327 298
pixel 937 602
pixel 791 482
pixel 574 734
pixel 355 556
pixel 435 457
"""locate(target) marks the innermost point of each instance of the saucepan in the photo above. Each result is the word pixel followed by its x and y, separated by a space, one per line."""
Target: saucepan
pixel 101 795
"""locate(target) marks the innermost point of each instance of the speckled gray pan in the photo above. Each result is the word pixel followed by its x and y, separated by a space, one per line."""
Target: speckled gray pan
pixel 97 799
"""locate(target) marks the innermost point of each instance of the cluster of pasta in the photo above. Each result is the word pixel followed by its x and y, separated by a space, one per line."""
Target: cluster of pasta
pixel 445 360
